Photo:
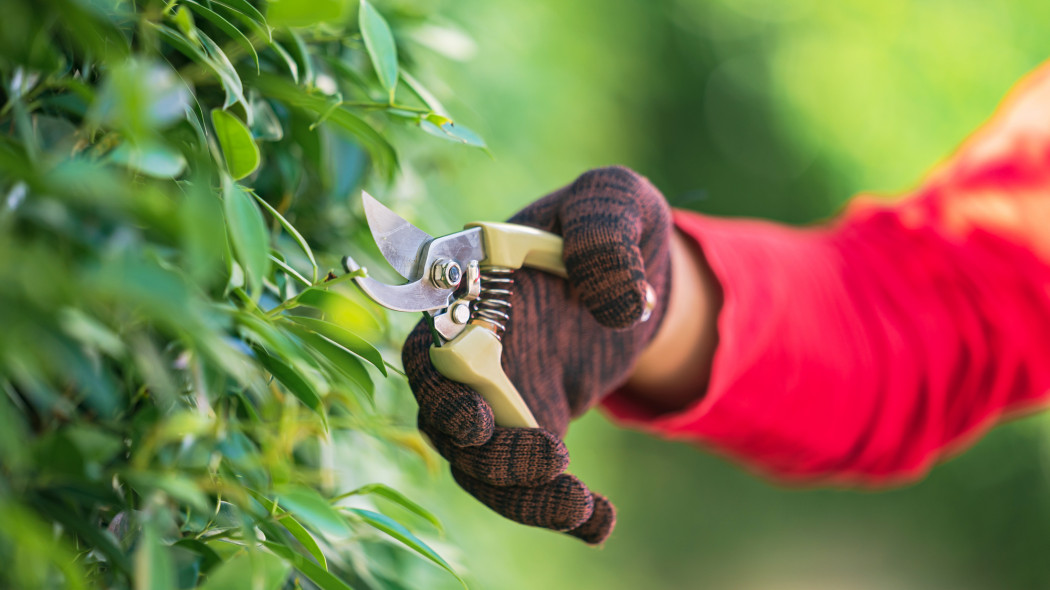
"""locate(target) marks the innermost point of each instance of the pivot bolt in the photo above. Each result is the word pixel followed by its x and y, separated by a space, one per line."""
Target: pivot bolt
pixel 445 274
pixel 461 313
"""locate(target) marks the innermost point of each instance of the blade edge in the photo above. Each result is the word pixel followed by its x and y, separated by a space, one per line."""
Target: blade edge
pixel 399 241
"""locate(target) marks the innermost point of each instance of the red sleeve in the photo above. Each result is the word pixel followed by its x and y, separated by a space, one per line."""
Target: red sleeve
pixel 865 350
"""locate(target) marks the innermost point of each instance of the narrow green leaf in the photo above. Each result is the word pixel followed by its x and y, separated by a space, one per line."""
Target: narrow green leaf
pixel 396 497
pixel 289 61
pixel 94 443
pixel 238 147
pixel 91 332
pixel 246 13
pixel 251 242
pixel 154 569
pixel 223 70
pixel 288 269
pixel 380 44
pixel 288 227
pixel 345 362
pixel 341 309
pixel 209 558
pixel 445 129
pixel 183 19
pixel 151 159
pixel 399 532
pixel 317 575
pixel 312 509
pixel 423 94
pixel 301 54
pixel 346 339
pixel 231 81
pixel 266 126
pixel 296 13
pixel 303 536
pixel 225 26
pixel 383 154
pixel 300 387
pixel 174 485
pixel 249 570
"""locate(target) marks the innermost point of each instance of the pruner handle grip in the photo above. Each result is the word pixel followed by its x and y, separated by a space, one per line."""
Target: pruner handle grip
pixel 473 357
pixel 510 245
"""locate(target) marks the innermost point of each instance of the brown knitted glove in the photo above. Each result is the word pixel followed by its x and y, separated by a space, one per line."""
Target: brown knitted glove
pixel 568 344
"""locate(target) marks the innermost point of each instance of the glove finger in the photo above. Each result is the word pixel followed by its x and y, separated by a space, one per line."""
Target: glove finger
pixel 562 504
pixel 613 221
pixel 512 457
pixel 596 529
pixel 447 407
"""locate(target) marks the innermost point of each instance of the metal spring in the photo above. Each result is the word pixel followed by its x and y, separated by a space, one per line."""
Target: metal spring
pixel 493 304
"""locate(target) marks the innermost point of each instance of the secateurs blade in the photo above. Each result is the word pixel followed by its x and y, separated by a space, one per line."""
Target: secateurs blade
pixel 461 282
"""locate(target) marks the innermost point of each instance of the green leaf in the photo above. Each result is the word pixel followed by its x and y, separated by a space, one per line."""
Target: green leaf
pixel 140 98
pixel 225 26
pixel 346 339
pixel 174 485
pixel 312 509
pixel 238 147
pixel 288 227
pixel 249 570
pixel 380 44
pixel 151 159
pixel 291 271
pixel 344 361
pixel 303 536
pixel 222 68
pixel 302 57
pixel 154 569
pixel 251 242
pixel 93 443
pixel 296 13
pixel 423 94
pixel 341 309
pixel 439 126
pixel 317 575
pixel 247 14
pixel 399 532
pixel 91 332
pixel 183 19
pixel 383 154
pixel 396 497
pixel 231 81
pixel 209 558
pixel 289 61
pixel 300 387
pixel 266 126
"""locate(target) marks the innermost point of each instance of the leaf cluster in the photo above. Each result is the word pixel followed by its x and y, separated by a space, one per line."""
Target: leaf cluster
pixel 177 357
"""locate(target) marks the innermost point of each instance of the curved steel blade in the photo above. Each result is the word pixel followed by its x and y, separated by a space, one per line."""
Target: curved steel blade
pixel 398 240
pixel 419 295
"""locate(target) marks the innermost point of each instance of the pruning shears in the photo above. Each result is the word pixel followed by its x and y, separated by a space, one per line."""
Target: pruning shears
pixel 462 284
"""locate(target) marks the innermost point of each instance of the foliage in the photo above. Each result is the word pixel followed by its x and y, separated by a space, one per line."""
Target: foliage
pixel 177 359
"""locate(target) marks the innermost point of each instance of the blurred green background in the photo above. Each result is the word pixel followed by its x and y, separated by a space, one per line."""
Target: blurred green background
pixel 738 107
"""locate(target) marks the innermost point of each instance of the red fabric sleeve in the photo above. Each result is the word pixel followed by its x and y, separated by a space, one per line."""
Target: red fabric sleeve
pixel 865 350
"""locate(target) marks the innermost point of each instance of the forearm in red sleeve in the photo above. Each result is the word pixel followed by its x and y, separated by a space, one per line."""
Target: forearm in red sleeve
pixel 865 350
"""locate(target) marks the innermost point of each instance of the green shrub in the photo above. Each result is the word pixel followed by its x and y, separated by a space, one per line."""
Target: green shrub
pixel 178 361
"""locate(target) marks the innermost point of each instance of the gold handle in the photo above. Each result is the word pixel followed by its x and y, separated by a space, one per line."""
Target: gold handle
pixel 512 246
pixel 473 359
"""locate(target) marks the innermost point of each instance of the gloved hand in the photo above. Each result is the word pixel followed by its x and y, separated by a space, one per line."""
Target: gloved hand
pixel 568 343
